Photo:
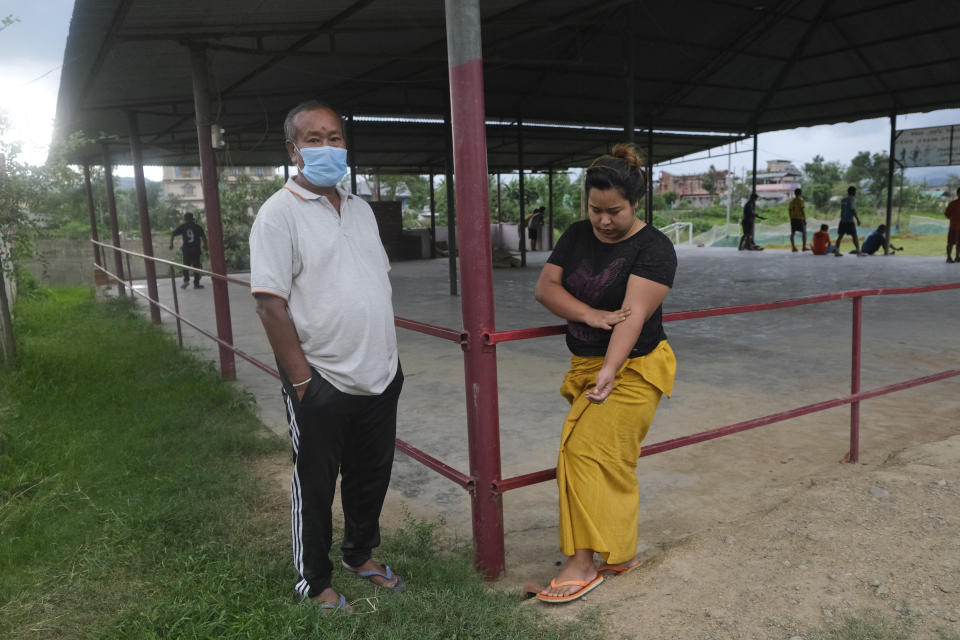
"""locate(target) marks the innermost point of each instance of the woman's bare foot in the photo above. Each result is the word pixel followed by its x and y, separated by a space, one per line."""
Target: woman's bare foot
pixel 580 568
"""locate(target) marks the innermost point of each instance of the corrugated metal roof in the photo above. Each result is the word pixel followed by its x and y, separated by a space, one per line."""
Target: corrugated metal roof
pixel 699 65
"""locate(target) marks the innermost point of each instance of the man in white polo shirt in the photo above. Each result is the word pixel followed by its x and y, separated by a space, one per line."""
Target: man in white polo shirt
pixel 319 275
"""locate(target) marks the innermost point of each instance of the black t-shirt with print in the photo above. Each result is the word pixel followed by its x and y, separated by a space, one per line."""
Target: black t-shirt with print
pixel 596 273
pixel 191 232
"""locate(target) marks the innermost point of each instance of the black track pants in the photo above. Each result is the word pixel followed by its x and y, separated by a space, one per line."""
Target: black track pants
pixel 191 258
pixel 334 432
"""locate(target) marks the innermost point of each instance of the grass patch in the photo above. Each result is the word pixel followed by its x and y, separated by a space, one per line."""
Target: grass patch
pixel 129 508
pixel 927 245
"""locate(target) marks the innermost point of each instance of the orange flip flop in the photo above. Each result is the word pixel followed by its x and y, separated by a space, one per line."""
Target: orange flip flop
pixel 585 588
pixel 617 569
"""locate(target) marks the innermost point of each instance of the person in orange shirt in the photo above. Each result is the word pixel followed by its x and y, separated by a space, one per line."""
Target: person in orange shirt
pixel 821 241
pixel 953 235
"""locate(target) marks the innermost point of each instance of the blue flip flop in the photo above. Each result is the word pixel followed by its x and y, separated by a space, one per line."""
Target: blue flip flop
pixel 368 575
pixel 340 606
pixel 325 607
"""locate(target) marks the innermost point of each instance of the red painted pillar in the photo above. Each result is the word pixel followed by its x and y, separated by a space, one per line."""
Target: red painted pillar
pixel 211 205
pixel 93 216
pixel 856 339
pixel 145 235
pixel 473 229
pixel 114 225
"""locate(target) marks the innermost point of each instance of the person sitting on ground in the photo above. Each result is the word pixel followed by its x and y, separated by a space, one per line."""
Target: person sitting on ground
pixel 821 241
pixel 848 215
pixel 953 234
pixel 608 277
pixel 798 220
pixel 875 241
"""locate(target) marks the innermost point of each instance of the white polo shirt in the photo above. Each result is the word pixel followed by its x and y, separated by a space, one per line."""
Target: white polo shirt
pixel 332 271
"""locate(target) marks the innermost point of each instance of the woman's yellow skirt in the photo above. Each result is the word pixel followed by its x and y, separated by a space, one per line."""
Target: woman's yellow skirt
pixel 599 448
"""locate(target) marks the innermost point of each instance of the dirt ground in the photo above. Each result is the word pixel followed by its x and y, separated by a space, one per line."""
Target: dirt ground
pixel 870 539
pixel 840 542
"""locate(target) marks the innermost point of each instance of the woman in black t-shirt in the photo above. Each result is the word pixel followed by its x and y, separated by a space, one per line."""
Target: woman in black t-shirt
pixel 607 277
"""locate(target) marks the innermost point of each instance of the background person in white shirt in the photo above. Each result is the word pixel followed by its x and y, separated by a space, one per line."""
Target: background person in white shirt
pixel 319 275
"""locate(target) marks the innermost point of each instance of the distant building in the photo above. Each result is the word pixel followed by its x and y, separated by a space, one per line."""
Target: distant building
pixel 184 183
pixel 690 189
pixel 778 182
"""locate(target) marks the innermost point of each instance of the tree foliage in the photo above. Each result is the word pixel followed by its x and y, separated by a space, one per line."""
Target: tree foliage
pixel 821 181
pixel 536 188
pixel 239 203
pixel 21 188
pixel 869 172
pixel 712 180
pixel 820 172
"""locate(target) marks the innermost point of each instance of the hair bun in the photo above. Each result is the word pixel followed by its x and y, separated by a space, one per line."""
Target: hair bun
pixel 627 153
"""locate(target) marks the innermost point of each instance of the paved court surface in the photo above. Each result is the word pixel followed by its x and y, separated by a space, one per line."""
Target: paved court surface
pixel 729 369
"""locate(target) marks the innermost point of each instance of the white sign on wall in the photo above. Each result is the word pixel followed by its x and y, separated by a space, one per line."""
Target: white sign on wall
pixel 929 146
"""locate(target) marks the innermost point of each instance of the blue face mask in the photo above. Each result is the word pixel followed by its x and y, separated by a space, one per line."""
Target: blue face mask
pixel 323 166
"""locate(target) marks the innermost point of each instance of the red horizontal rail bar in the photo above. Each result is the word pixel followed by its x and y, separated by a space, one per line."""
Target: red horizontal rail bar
pixel 172 264
pixel 552 330
pixel 524 334
pixel 667 445
pixel 525 480
pixel 260 365
pixel 424 458
pixel 548 474
pixel 431 330
pixel 413 325
pixel 429 461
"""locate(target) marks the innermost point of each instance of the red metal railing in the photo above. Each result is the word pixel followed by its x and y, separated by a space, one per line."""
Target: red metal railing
pixel 459 337
pixel 856 395
pixel 498 485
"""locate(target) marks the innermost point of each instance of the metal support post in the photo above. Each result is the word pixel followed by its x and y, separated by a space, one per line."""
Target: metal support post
pixel 550 209
pixel 352 153
pixel 630 71
pixel 893 150
pixel 729 185
pixel 855 379
pixel 211 204
pixel 648 205
pixel 522 226
pixel 451 209
pixel 146 237
pixel 97 260
pixel 433 219
pixel 114 225
pixel 130 277
pixel 480 360
pixel 499 207
pixel 176 305
pixel 753 188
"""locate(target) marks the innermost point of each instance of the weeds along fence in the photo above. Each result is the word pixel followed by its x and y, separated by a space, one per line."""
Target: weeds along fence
pixel 499 485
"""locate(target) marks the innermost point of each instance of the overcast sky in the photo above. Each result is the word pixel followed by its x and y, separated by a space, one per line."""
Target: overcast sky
pixel 31 53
